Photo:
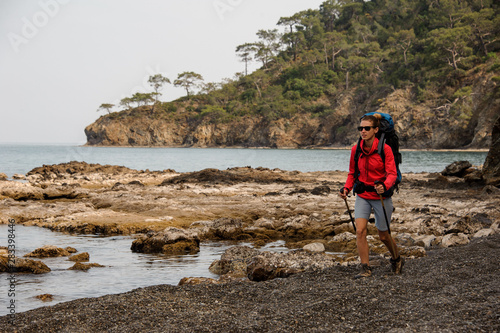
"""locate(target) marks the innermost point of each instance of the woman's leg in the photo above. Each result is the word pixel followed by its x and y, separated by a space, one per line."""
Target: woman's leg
pixel 361 242
pixel 387 239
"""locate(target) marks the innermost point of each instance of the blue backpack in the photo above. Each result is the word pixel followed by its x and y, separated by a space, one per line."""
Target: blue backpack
pixel 386 135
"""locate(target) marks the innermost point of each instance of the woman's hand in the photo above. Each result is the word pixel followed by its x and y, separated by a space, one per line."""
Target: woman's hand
pixel 379 187
pixel 343 193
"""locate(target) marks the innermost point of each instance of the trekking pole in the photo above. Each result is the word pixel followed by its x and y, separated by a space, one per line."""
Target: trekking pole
pixel 350 215
pixel 383 207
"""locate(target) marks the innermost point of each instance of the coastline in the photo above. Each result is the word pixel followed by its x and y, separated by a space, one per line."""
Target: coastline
pixel 450 290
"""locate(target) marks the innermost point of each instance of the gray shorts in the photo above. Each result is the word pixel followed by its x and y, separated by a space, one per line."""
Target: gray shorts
pixel 363 209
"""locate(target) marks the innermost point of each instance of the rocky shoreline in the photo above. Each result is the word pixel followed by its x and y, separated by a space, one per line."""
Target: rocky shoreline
pixel 171 213
pixel 450 290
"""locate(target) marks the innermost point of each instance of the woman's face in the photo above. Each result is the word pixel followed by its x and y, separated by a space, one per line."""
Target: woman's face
pixel 367 135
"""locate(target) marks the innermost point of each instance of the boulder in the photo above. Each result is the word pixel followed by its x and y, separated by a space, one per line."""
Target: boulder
pixel 454 240
pixel 491 168
pixel 169 241
pixel 84 256
pixel 80 266
pixel 484 233
pixel 20 265
pixel 3 176
pixel 45 297
pixel 457 169
pixel 48 251
pixel 197 280
pixel 314 247
pixel 234 261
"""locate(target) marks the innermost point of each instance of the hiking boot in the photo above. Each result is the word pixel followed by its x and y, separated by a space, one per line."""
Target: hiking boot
pixel 366 271
pixel 397 265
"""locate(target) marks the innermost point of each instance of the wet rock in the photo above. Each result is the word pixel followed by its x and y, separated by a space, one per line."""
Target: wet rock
pixel 20 265
pixel 45 297
pixel 84 256
pixel 71 249
pixel 457 169
pixel 80 266
pixel 169 241
pixel 48 251
pixel 454 240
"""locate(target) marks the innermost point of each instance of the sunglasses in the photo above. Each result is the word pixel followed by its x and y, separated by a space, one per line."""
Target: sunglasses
pixel 366 128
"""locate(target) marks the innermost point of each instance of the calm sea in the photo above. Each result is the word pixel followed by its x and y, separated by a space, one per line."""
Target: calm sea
pixel 21 158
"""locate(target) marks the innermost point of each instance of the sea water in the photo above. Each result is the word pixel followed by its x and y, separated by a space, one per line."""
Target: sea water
pixel 123 269
pixel 21 158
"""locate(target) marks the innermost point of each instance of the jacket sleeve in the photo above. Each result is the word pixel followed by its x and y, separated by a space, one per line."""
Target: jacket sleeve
pixel 349 184
pixel 390 168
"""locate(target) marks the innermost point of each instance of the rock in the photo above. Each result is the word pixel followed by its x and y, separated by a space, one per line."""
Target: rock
pixel 45 297
pixel 71 249
pixel 84 256
pixel 3 176
pixel 412 251
pixel 314 247
pixel 197 280
pixel 454 240
pixel 18 176
pixel 234 261
pixel 457 169
pixel 490 190
pixel 427 240
pixel 169 241
pixel 469 224
pixel 79 266
pixel 20 191
pixel 484 233
pixel 321 190
pixel 48 251
pixel 491 168
pixel 21 265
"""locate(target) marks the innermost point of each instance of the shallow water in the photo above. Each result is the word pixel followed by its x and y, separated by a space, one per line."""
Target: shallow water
pixel 124 271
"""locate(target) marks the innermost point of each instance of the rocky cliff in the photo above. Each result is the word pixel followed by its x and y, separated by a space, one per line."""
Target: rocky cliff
pixel 465 122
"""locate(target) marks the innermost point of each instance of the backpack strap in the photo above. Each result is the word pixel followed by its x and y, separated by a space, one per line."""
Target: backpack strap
pixel 380 148
pixel 357 154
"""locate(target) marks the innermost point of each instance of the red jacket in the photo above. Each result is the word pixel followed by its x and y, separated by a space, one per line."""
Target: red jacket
pixel 372 168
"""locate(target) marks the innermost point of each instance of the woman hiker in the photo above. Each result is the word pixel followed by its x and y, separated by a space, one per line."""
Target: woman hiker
pixel 375 177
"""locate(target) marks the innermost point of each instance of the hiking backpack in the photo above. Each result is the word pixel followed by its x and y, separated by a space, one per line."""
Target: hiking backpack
pixel 386 134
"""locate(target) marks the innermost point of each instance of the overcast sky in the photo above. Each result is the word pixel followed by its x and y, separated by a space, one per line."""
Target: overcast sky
pixel 61 59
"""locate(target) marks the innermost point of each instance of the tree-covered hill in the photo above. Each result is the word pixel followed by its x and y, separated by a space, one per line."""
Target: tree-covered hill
pixel 433 64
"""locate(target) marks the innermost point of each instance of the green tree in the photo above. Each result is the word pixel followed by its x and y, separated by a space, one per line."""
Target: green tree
pixel 106 106
pixel 156 82
pixel 452 44
pixel 126 102
pixel 246 53
pixel 143 98
pixel 188 80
